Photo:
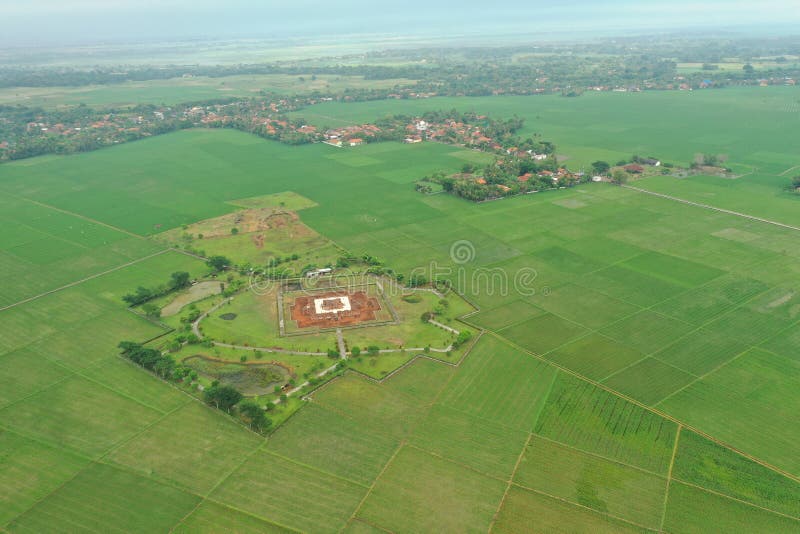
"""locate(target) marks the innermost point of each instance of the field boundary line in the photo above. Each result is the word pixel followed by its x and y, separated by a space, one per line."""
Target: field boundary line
pixel 206 497
pixel 132 471
pixel 317 469
pixel 460 464
pixel 598 512
pixel 669 478
pixel 82 280
pixel 598 455
pixel 79 216
pixel 373 525
pixel 713 208
pixel 97 460
pixel 651 409
pixel 731 497
pixel 706 375
pixel 423 413
pixel 374 483
pixel 510 483
pixel 64 378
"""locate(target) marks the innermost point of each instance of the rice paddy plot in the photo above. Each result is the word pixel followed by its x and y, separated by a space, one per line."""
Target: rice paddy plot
pixel 746 403
pixel 290 494
pixel 595 356
pixel 630 286
pixel 24 372
pixel 333 443
pixel 704 463
pixel 481 444
pixel 30 471
pixel 420 381
pixel 505 315
pixel 701 351
pixel 649 380
pixel 691 509
pixel 130 380
pixel 647 331
pixel 102 498
pixel 593 420
pixel 672 269
pixel 420 492
pixel 210 518
pixel 593 482
pixel 79 415
pixel 785 342
pixel 748 326
pixel 583 305
pixel 368 404
pixel 543 334
pixel 193 447
pixel 567 261
pixel 525 510
pixel 499 383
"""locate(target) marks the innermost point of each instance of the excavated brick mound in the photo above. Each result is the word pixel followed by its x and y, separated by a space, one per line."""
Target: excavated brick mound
pixel 334 309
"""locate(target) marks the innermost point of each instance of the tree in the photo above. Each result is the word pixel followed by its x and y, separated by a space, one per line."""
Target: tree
pixel 372 350
pixel 179 280
pixel 252 414
pixel 151 310
pixel 218 263
pixel 796 182
pixel 223 397
pixel 356 352
pixel 619 177
pixel 463 337
pixel 142 295
pixel 600 168
pixel 748 68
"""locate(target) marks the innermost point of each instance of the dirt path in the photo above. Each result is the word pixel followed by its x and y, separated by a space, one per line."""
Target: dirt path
pixel 713 208
pixel 444 327
pixel 82 280
pixel 340 342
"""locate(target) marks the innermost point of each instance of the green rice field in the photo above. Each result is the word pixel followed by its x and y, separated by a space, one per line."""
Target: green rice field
pixel 642 375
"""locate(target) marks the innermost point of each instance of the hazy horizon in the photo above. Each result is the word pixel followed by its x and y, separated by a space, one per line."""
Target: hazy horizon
pixel 42 23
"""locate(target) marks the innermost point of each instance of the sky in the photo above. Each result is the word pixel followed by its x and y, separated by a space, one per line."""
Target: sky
pixel 55 22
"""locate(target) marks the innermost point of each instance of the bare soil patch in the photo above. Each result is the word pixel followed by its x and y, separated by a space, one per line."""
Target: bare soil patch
pixel 362 308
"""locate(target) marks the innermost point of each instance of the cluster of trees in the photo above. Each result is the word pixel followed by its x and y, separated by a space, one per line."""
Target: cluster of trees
pixel 222 397
pixel 153 360
pixel 178 280
pixel 504 177
pixel 463 337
